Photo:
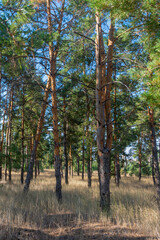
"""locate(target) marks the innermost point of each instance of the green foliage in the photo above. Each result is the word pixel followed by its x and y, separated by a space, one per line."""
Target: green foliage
pixel 136 74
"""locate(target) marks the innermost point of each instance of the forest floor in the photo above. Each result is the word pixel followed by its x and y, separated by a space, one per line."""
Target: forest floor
pixel 37 215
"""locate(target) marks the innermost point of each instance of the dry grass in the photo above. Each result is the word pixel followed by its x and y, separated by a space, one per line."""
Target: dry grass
pixel 133 206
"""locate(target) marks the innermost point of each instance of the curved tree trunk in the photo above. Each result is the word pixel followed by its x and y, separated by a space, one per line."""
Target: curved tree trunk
pixel 37 138
pixel 50 84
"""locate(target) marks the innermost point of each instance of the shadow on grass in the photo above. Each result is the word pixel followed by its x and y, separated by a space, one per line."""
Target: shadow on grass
pixel 79 232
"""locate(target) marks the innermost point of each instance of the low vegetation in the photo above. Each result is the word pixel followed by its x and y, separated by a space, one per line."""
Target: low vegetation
pixel 133 207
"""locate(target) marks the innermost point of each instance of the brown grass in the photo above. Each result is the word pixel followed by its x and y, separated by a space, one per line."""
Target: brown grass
pixel 133 211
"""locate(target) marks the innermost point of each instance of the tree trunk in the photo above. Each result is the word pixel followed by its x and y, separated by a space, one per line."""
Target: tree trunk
pixel 103 110
pixel 154 152
pixel 37 138
pixel 53 56
pixel 87 141
pixel 22 140
pixel 50 83
pixel 10 134
pixel 91 160
pixel 38 168
pixel 31 147
pixel 6 155
pixel 35 167
pixel 71 160
pixel 117 167
pixel 153 171
pixel 108 118
pixel 140 157
pixel 77 165
pixel 2 137
pixel 83 160
pixel 60 154
pixel 65 140
pixel 27 164
pixel 117 170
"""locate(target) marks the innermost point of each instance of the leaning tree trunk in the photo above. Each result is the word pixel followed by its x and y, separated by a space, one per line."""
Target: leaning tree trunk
pixel 103 110
pixel 37 138
pixel 154 152
pixel 45 98
pixel 153 171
